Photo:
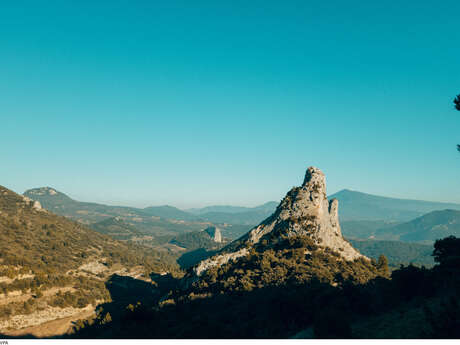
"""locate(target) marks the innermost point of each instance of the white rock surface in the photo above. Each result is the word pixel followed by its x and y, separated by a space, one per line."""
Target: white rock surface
pixel 305 210
pixel 215 233
pixel 218 260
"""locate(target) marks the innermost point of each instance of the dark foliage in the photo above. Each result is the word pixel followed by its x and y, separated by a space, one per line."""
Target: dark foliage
pixel 195 240
pixel 457 106
pixel 397 252
pixel 282 291
pixel 447 251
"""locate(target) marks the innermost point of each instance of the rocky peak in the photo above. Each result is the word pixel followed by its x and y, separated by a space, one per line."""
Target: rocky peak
pixel 315 179
pixel 41 191
pixel 305 211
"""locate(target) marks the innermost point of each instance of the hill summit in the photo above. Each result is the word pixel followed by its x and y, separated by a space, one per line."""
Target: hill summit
pixel 304 211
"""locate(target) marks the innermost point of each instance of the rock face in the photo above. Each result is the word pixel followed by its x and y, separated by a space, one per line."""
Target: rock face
pixel 215 233
pixel 42 191
pixel 305 210
pixel 35 204
pixel 218 260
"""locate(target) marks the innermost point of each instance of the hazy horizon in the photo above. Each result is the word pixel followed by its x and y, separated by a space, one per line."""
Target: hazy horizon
pixel 150 104
pixel 138 204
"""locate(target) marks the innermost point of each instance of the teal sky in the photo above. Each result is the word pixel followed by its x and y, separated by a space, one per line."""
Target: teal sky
pixel 228 102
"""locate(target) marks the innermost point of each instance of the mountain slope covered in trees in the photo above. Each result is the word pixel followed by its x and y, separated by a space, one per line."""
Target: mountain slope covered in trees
pixel 54 266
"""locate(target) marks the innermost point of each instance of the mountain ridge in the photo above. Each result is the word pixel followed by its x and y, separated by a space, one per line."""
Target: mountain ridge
pixel 426 228
pixel 363 206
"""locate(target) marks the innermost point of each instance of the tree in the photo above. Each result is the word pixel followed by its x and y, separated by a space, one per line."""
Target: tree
pixel 382 265
pixel 457 106
pixel 447 251
pixel 107 319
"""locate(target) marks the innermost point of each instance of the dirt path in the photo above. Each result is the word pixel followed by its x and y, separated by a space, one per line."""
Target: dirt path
pixel 53 328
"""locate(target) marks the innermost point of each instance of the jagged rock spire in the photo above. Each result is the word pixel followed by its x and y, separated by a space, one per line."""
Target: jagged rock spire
pixel 214 233
pixel 305 210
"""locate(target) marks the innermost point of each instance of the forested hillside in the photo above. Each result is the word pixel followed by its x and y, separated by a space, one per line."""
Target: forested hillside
pixel 278 294
pixel 54 266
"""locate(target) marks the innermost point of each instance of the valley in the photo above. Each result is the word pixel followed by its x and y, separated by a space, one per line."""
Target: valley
pixel 116 248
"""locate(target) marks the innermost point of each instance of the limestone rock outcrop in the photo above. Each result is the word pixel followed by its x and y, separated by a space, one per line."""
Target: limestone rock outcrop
pixel 305 210
pixel 215 233
pixel 35 204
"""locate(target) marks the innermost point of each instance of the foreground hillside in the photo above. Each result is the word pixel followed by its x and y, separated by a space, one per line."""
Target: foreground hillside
pixel 295 276
pixel 51 267
pixel 283 294
pixel 299 244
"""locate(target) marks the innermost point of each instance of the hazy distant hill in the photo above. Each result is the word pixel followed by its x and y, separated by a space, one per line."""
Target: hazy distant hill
pixel 361 214
pixel 85 212
pixel 364 229
pixel 236 214
pixel 268 206
pixel 361 206
pixel 155 221
pixel 116 228
pixel 427 228
pixel 353 206
pixel 170 212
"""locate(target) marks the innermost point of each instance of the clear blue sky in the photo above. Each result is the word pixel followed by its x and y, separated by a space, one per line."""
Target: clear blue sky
pixel 227 102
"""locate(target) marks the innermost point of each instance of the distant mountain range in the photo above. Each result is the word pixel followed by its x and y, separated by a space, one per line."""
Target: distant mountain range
pixel 353 206
pixel 236 214
pixel 427 228
pixel 362 216
pixel 90 213
pixel 170 212
pixel 361 206
pixel 152 221
pixel 267 207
